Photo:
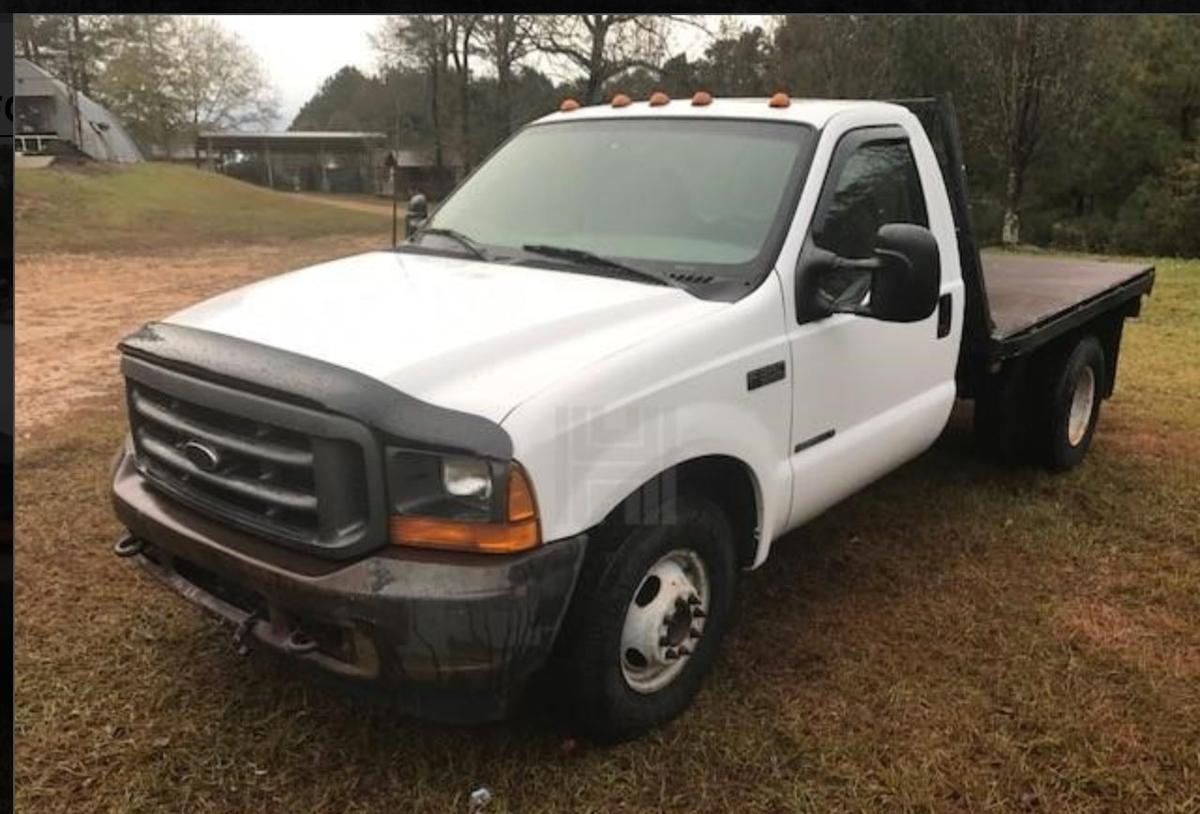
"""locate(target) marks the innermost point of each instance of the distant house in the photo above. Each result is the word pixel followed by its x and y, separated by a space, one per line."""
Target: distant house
pixel 416 172
pixel 347 162
pixel 45 113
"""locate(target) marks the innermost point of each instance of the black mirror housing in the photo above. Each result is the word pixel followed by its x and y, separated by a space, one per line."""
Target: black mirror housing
pixel 417 214
pixel 903 278
pixel 907 281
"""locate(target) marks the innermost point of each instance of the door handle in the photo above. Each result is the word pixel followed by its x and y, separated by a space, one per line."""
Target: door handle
pixel 945 315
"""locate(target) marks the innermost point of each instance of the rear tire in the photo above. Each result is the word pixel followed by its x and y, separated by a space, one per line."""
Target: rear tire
pixel 644 594
pixel 1072 405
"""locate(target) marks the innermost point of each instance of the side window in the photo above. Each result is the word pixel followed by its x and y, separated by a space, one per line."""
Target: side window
pixel 877 184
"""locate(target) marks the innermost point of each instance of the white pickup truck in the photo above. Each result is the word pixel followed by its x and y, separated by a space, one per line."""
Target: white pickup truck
pixel 544 434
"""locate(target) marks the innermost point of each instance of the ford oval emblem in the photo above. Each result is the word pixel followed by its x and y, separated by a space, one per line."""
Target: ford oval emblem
pixel 204 457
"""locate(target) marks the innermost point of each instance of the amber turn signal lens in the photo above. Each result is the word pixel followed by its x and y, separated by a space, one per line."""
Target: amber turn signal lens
pixel 568 105
pixel 621 100
pixel 702 98
pixel 520 532
pixel 464 535
pixel 521 505
pixel 658 99
pixel 780 99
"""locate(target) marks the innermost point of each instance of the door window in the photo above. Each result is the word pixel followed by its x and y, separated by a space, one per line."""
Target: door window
pixel 877 184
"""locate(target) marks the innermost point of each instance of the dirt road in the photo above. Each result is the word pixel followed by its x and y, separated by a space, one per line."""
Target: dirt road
pixel 71 309
pixel 359 203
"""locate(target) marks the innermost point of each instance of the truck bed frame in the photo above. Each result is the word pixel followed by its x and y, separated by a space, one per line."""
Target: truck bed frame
pixel 1018 303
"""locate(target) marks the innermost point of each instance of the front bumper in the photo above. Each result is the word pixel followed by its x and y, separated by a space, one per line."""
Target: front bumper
pixel 450 637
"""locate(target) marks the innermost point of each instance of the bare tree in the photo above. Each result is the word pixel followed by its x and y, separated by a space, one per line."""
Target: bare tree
pixel 25 35
pixel 420 41
pixel 604 46
pixel 218 81
pixel 1024 64
pixel 136 82
pixel 506 39
pixel 461 30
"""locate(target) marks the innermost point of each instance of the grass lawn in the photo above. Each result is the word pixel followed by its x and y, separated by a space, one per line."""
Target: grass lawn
pixel 99 208
pixel 959 637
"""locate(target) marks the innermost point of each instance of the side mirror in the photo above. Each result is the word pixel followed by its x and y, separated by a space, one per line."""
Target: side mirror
pixel 903 278
pixel 905 287
pixel 417 214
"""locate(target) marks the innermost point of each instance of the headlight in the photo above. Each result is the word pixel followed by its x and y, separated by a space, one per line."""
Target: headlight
pixel 467 477
pixel 453 501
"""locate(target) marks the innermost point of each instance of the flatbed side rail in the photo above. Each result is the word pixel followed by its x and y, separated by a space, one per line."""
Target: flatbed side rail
pixel 1128 294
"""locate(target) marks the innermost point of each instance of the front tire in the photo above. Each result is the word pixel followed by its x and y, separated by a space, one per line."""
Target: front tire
pixel 650 610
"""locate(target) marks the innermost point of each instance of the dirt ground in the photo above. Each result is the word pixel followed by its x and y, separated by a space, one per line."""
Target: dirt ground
pixel 72 309
pixel 360 203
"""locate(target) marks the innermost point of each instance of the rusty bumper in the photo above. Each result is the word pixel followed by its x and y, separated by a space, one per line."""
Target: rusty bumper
pixel 449 637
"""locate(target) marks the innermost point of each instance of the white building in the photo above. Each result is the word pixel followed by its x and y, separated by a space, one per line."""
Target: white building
pixel 44 113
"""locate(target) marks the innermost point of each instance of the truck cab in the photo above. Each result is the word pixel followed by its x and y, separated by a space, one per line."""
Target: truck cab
pixel 546 433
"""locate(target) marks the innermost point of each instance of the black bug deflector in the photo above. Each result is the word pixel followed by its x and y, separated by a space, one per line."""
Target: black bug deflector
pixel 449 637
pixel 315 383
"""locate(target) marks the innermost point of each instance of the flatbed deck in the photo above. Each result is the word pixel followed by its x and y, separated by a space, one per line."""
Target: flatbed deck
pixel 1034 297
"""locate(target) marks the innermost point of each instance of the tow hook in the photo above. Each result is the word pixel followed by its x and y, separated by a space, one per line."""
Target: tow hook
pixel 298 642
pixel 128 546
pixel 241 636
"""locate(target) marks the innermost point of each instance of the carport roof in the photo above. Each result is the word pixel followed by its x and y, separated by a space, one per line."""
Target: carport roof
pixel 311 138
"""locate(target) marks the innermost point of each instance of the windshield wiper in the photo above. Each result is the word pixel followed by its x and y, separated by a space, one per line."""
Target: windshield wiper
pixel 586 258
pixel 459 238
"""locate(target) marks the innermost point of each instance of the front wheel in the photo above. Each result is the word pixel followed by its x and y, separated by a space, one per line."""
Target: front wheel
pixel 650 610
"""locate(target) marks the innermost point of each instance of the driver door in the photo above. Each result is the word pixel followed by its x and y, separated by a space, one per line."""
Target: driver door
pixel 867 394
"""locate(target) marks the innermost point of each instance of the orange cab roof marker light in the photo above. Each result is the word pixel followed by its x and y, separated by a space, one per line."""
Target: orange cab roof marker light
pixel 701 98
pixel 780 99
pixel 658 99
pixel 621 100
pixel 568 105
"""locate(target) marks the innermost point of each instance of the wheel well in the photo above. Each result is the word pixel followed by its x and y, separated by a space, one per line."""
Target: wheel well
pixel 1107 331
pixel 725 480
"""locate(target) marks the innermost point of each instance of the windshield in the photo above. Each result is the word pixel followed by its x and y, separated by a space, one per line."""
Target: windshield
pixel 669 195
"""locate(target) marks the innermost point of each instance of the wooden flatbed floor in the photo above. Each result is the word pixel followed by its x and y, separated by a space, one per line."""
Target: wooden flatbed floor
pixel 1025 290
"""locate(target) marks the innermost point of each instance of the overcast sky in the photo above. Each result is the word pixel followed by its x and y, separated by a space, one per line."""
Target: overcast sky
pixel 301 51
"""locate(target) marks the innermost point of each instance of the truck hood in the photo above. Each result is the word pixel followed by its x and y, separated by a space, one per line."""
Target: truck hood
pixel 463 334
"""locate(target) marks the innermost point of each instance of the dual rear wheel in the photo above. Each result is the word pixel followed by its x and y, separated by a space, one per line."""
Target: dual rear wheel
pixel 1045 411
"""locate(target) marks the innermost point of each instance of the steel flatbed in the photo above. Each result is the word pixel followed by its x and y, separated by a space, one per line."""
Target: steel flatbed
pixel 1034 298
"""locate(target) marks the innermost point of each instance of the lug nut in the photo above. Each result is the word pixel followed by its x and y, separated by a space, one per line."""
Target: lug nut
pixel 664 641
pixel 699 613
pixel 683 651
pixel 694 633
pixel 672 654
pixel 693 600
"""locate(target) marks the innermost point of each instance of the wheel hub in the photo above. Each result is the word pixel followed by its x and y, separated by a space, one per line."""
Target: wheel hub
pixel 1082 401
pixel 664 621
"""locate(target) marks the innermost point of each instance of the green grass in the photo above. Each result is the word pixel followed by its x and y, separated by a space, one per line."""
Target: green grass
pixel 959 637
pixel 104 208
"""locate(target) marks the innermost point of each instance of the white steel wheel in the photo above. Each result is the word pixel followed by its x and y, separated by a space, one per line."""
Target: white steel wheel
pixel 664 621
pixel 1082 401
